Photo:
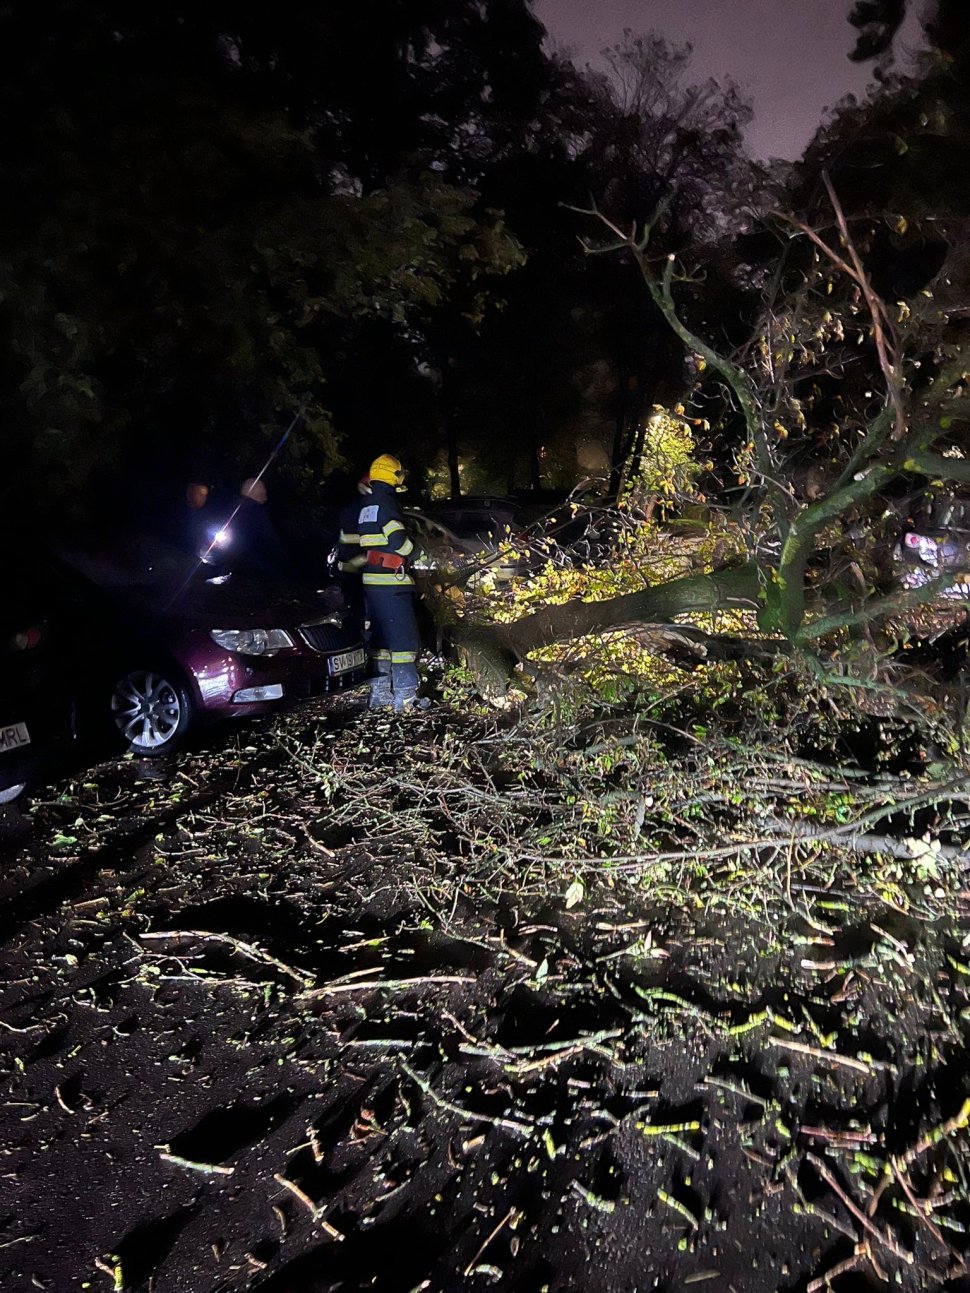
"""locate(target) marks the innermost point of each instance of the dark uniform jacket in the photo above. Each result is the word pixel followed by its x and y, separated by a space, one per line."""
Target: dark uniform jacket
pixel 384 543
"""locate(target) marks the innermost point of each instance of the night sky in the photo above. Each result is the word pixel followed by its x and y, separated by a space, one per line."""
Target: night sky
pixel 790 55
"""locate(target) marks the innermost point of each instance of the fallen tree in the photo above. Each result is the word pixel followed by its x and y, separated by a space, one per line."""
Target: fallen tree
pixel 494 652
pixel 794 577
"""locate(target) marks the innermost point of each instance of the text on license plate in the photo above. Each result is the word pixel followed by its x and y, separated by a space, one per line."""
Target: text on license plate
pixel 16 735
pixel 348 660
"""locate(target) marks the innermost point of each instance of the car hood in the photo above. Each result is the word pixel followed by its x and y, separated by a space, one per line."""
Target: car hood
pixel 137 575
pixel 235 604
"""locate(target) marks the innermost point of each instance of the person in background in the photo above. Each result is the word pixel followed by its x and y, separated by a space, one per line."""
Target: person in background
pixel 187 522
pixel 388 587
pixel 254 545
pixel 196 514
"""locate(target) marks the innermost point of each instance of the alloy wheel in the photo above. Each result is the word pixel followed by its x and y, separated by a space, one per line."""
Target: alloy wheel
pixel 147 709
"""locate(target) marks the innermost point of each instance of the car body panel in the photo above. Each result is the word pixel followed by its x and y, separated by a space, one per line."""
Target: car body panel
pixel 214 675
pixel 440 548
pixel 179 606
pixel 510 539
pixel 491 518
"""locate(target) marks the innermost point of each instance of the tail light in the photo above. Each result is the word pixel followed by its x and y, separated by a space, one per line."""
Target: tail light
pixel 26 639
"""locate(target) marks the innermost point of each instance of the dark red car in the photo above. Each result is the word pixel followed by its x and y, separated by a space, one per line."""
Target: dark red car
pixel 144 638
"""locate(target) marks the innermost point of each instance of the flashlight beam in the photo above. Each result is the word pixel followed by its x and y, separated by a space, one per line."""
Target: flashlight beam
pixel 274 453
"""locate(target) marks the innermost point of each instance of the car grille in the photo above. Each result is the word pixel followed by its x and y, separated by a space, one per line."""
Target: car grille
pixel 324 637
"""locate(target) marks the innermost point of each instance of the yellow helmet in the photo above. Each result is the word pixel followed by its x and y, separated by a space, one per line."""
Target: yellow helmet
pixel 388 469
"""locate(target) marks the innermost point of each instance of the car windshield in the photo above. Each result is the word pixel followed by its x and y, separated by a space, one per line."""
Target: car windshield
pixel 129 562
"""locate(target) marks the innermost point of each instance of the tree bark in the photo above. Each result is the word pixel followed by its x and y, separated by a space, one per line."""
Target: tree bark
pixel 492 652
pixel 453 472
pixel 535 469
pixel 737 586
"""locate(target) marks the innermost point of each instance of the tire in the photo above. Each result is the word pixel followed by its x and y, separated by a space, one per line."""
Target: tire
pixel 152 711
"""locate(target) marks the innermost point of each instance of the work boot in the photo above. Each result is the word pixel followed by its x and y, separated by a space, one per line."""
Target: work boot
pixel 381 693
pixel 405 680
pixel 403 704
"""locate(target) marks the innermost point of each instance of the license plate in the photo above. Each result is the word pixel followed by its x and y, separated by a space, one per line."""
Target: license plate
pixel 347 660
pixel 12 737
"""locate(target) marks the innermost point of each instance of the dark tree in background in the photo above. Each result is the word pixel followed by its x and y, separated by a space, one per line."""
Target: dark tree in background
pixel 578 352
pixel 852 392
pixel 900 164
pixel 217 214
pixel 879 22
pixel 209 202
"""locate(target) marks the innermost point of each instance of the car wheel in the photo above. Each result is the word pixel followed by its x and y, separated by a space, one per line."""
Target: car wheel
pixel 152 710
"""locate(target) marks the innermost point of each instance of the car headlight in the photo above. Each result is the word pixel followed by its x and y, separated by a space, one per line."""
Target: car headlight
pixel 252 641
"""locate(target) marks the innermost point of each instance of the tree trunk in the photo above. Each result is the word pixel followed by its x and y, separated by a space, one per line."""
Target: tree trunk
pixel 628 401
pixel 535 469
pixel 717 590
pixel 453 472
pixel 493 651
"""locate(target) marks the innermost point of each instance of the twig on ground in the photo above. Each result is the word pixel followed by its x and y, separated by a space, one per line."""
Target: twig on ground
pixel 250 950
pixel 959 1265
pixel 208 1169
pixel 315 1211
pixel 393 985
pixel 520 1128
pixel 828 1057
pixel 501 1225
pixel 840 1268
pixel 959 1122
pixel 867 1224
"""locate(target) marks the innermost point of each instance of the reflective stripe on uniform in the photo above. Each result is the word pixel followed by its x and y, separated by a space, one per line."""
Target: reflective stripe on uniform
pixel 397 538
pixel 349 538
pixel 373 540
pixel 403 657
pixel 400 579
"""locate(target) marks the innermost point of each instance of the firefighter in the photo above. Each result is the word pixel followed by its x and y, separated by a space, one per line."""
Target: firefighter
pixel 348 558
pixel 389 588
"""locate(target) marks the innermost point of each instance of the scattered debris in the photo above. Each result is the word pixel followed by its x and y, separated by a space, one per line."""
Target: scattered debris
pixel 362 1007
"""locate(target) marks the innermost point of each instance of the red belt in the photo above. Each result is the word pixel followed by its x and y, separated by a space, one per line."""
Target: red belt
pixel 385 560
